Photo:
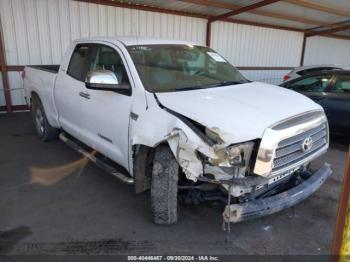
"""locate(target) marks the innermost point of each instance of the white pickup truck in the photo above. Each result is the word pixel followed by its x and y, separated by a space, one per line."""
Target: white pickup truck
pixel 183 122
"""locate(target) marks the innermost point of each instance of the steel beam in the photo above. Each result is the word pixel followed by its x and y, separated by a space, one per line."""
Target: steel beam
pixel 4 74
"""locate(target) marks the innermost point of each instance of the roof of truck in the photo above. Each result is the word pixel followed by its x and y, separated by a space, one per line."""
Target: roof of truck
pixel 134 40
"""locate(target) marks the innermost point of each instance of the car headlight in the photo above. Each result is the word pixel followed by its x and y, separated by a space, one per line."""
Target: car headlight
pixel 234 155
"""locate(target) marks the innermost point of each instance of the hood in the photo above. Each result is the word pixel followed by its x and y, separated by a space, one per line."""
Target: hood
pixel 238 112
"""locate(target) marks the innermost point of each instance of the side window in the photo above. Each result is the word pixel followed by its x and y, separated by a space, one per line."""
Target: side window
pixel 79 62
pixel 106 58
pixel 311 84
pixel 342 85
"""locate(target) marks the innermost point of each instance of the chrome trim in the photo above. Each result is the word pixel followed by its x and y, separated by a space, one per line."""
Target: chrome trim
pixel 282 130
pixel 106 77
pixel 97 160
pixel 302 162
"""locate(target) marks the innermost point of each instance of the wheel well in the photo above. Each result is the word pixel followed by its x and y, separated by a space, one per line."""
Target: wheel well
pixel 143 157
pixel 32 95
pixel 142 167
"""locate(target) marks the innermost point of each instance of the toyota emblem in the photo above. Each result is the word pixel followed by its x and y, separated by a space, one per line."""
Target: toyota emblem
pixel 307 144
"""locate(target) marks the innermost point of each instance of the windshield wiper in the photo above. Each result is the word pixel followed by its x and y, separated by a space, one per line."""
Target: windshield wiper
pixel 229 83
pixel 184 88
pixel 223 83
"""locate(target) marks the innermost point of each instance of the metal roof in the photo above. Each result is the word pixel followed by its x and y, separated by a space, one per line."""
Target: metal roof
pixel 302 15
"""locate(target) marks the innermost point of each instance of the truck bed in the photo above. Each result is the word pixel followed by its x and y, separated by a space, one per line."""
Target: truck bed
pixel 49 68
pixel 40 79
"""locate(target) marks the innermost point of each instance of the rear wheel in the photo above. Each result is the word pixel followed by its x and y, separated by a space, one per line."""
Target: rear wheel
pixel 164 186
pixel 44 130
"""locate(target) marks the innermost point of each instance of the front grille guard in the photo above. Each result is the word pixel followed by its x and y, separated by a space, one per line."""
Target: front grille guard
pixel 283 133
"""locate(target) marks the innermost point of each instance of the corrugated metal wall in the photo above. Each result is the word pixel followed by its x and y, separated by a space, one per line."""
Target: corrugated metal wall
pixel 325 50
pixel 39 31
pixel 245 45
pixel 274 77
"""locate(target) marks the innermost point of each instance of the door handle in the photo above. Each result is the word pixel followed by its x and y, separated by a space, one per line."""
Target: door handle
pixel 85 95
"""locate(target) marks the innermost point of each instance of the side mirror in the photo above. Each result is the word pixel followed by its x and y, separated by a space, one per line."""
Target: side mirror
pixel 105 80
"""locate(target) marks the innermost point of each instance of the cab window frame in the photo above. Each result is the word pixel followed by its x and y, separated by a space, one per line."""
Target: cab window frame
pixel 78 45
pixel 94 46
pixel 120 54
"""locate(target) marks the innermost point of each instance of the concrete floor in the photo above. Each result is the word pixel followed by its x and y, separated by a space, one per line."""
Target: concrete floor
pixel 94 213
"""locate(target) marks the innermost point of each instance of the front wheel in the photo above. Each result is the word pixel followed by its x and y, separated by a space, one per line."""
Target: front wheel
pixel 164 186
pixel 44 130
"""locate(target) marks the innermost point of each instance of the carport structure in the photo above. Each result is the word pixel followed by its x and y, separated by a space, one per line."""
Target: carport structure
pixel 263 38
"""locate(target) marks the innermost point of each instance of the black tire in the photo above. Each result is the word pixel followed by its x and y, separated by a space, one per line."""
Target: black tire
pixel 44 130
pixel 164 186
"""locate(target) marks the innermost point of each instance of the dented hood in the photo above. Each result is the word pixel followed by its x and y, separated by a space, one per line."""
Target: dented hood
pixel 240 112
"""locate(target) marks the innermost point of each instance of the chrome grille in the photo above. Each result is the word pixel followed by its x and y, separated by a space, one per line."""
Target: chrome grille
pixel 289 151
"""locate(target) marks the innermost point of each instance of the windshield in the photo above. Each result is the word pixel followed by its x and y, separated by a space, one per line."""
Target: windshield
pixel 167 68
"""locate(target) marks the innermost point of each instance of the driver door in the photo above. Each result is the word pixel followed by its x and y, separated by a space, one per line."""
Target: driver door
pixel 107 113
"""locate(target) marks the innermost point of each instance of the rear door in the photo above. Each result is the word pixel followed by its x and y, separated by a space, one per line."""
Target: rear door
pixel 70 89
pixel 337 104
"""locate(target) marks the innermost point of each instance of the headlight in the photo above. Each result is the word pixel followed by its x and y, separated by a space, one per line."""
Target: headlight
pixel 234 155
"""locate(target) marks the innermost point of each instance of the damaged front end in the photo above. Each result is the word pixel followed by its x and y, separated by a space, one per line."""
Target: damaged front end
pixel 260 177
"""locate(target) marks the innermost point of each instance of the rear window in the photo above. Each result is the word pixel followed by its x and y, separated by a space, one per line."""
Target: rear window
pixel 79 62
pixel 315 70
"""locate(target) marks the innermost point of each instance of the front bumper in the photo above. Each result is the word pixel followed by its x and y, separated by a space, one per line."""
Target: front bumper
pixel 239 212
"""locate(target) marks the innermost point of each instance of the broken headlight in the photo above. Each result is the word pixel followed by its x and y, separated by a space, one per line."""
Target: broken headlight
pixel 234 155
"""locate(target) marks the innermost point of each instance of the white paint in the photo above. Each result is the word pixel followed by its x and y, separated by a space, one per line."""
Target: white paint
pixel 254 104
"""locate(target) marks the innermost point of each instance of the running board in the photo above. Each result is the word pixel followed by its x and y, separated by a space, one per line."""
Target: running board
pixel 99 162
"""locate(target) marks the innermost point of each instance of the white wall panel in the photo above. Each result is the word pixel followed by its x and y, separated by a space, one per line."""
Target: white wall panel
pixel 16 88
pixel 274 77
pixel 39 31
pixel 54 31
pixel 21 33
pixel 7 21
pixel 44 43
pixel 246 45
pixel 325 50
pixel 2 97
pixel 32 31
